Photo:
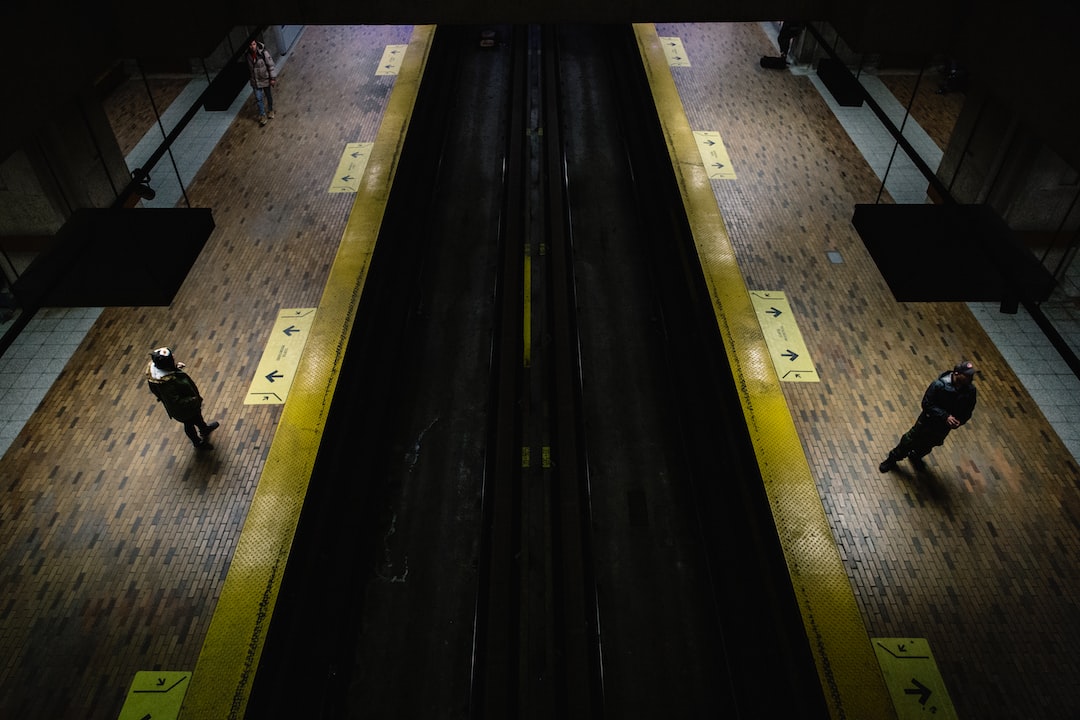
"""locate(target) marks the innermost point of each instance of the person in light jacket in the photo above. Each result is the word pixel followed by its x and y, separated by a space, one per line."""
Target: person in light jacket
pixel 263 77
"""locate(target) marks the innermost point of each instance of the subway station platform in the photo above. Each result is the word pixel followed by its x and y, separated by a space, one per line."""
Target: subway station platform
pixel 118 537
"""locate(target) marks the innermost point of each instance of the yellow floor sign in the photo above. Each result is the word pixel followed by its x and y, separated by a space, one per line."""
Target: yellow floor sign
pixel 351 167
pixel 390 64
pixel 155 694
pixel 280 358
pixel 674 51
pixel 714 155
pixel 789 354
pixel 913 679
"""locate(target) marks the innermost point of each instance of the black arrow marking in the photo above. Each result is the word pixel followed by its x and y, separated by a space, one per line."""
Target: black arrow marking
pixel 290 330
pixel 267 396
pixel 790 355
pixel 160 682
pixel 903 648
pixel 921 690
pixel 347 178
pixel 274 375
pixel 774 312
pixel 718 166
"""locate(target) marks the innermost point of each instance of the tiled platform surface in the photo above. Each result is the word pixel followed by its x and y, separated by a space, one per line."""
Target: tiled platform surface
pixel 980 555
pixel 115 536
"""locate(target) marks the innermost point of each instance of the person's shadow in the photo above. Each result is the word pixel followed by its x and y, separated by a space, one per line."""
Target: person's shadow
pixel 926 488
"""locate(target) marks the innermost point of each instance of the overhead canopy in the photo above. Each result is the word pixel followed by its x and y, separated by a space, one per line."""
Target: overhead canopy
pixel 116 257
pixel 945 253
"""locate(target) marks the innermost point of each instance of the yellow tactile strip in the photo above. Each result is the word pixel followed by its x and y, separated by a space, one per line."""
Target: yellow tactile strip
pixel 852 682
pixel 221 682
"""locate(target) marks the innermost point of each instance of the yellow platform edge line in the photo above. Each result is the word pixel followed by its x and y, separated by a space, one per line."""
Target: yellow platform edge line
pixel 847 666
pixel 223 675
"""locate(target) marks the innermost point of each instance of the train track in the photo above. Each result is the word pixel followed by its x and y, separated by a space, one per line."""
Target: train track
pixel 535 497
pixel 540 604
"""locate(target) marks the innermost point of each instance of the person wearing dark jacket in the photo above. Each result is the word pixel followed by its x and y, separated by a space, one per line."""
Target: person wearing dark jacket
pixel 946 405
pixel 178 393
pixel 263 77
pixel 789 30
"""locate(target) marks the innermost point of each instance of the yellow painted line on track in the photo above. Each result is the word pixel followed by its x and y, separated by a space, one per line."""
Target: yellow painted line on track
pixel 545 457
pixel 674 52
pixel 913 679
pixel 850 677
pixel 277 368
pixel 155 694
pixel 714 155
pixel 350 169
pixel 786 347
pixel 221 683
pixel 526 325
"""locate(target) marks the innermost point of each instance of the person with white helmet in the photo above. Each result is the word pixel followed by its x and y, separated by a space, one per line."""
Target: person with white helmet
pixel 178 393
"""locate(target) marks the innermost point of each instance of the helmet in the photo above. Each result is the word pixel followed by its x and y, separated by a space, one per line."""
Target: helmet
pixel 163 358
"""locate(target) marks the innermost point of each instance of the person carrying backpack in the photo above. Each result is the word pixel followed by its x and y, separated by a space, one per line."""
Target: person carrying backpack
pixel 263 77
pixel 178 393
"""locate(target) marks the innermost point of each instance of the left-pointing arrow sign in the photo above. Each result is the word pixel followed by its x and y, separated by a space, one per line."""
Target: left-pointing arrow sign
pixel 275 375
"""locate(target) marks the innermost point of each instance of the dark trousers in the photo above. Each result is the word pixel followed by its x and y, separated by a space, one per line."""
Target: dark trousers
pixel 196 430
pixel 788 32
pixel 917 442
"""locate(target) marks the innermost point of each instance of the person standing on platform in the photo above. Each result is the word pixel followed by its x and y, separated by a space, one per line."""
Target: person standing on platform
pixel 789 30
pixel 178 393
pixel 946 405
pixel 263 78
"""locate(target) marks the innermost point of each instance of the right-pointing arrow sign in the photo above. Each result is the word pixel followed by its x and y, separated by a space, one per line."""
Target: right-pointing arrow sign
pixel 921 690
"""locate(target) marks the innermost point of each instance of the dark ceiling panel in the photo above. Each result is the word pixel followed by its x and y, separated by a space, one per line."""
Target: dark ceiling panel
pixel 950 253
pixel 102 258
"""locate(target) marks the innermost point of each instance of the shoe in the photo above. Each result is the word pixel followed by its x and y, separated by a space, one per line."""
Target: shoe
pixel 203 445
pixel 887 465
pixel 270 114
pixel 211 427
pixel 262 120
pixel 917 463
